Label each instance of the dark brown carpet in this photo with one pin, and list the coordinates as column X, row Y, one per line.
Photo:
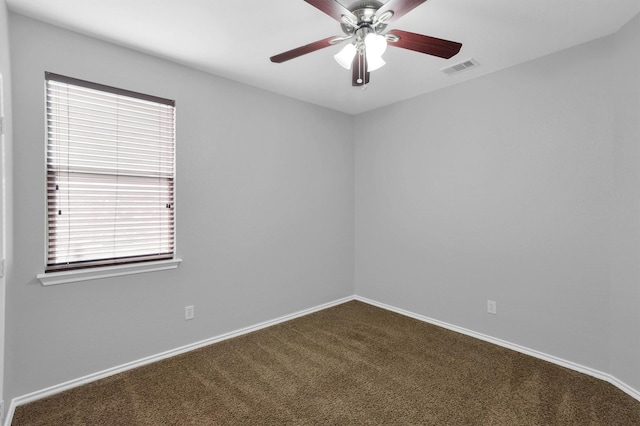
column 353, row 364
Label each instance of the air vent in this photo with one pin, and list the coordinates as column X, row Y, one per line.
column 460, row 66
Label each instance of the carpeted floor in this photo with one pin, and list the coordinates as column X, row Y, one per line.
column 353, row 364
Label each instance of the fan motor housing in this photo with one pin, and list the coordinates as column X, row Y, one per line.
column 364, row 10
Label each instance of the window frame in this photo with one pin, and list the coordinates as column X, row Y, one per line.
column 118, row 266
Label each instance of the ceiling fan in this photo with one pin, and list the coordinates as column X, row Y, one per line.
column 363, row 23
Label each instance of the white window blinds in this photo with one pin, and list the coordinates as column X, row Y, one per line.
column 110, row 175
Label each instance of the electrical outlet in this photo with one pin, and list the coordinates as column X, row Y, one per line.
column 491, row 306
column 189, row 312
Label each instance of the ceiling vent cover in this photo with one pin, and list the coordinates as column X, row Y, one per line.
column 460, row 66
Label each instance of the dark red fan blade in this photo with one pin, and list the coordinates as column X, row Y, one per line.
column 425, row 44
column 303, row 50
column 399, row 8
column 332, row 8
column 359, row 73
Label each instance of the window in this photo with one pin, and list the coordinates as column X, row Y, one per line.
column 110, row 175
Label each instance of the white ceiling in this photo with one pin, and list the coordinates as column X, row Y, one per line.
column 236, row 38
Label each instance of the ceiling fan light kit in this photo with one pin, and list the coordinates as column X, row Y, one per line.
column 345, row 56
column 363, row 24
column 373, row 46
column 376, row 44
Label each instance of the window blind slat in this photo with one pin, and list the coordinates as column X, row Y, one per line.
column 64, row 107
column 62, row 103
column 110, row 175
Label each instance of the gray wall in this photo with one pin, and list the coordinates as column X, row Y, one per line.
column 625, row 282
column 5, row 174
column 499, row 188
column 264, row 215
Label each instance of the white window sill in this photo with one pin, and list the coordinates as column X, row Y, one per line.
column 53, row 278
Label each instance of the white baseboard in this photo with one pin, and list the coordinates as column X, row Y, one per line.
column 527, row 351
column 43, row 393
column 25, row 399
